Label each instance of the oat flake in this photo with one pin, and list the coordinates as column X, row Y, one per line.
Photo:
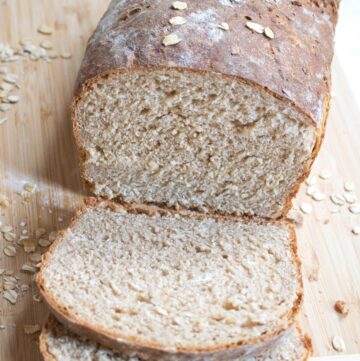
column 306, row 208
column 349, row 186
column 310, row 181
column 338, row 344
column 31, row 329
column 355, row 208
column 171, row 39
column 269, row 33
column 179, row 5
column 224, row 26
column 356, row 230
column 11, row 296
column 337, row 199
column 177, row 20
column 255, row 27
column 324, row 174
column 46, row 30
column 10, row 251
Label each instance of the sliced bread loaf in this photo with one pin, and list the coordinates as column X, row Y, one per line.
column 173, row 286
column 59, row 344
column 223, row 120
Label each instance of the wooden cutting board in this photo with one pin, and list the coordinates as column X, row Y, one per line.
column 36, row 146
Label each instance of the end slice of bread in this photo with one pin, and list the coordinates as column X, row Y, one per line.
column 57, row 343
column 173, row 285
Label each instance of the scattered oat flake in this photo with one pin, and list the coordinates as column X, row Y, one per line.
column 46, row 44
column 11, row 296
column 66, row 55
column 350, row 198
column 310, row 181
column 171, row 39
column 2, row 327
column 35, row 257
column 318, row 196
column 324, row 174
column 13, row 99
column 310, row 191
column 295, row 217
column 306, row 208
column 45, row 29
column 338, row 344
column 355, row 208
column 356, row 230
column 27, row 267
column 337, row 199
column 10, row 251
column 4, row 202
column 2, row 120
column 5, row 107
column 10, row 236
column 179, row 5
column 255, row 27
column 40, row 232
column 224, row 26
column 44, row 242
column 37, row 298
column 31, row 329
column 349, row 186
column 177, row 20
column 269, row 33
column 11, row 78
column 53, row 235
column 341, row 307
column 30, row 187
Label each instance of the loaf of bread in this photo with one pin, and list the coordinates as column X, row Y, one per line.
column 214, row 105
column 170, row 285
column 59, row 344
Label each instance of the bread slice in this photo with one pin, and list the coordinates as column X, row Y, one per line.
column 223, row 121
column 173, row 285
column 57, row 343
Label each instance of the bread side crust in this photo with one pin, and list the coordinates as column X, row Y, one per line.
column 48, row 356
column 127, row 344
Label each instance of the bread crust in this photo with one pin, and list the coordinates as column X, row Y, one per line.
column 150, row 350
column 48, row 356
column 279, row 75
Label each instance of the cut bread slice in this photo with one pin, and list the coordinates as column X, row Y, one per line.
column 57, row 343
column 172, row 284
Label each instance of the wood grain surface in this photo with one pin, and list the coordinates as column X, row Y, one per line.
column 36, row 146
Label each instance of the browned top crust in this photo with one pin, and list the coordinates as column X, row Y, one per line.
column 294, row 65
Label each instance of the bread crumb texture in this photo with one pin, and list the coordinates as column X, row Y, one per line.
column 174, row 281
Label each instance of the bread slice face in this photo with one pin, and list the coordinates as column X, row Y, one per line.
column 57, row 343
column 192, row 139
column 173, row 285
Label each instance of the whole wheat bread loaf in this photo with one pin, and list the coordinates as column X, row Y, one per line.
column 173, row 285
column 225, row 121
column 59, row 344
